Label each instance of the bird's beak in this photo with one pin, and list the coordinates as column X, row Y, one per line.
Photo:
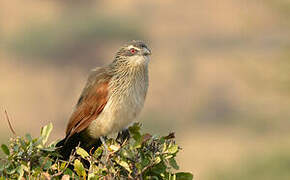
column 146, row 52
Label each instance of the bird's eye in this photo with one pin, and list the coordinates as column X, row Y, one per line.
column 133, row 51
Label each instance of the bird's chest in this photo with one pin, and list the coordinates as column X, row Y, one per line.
column 128, row 106
column 126, row 100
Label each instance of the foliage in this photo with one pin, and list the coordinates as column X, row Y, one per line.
column 261, row 166
column 143, row 156
column 65, row 37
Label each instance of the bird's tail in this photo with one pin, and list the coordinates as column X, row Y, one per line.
column 66, row 146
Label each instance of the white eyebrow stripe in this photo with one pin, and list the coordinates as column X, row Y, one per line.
column 131, row 46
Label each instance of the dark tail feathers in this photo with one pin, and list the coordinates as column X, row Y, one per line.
column 66, row 146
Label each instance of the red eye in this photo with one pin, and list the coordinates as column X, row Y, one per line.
column 133, row 51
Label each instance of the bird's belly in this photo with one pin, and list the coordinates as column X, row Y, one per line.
column 116, row 115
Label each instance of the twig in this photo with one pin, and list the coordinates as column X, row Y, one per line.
column 61, row 172
column 10, row 126
column 69, row 162
column 43, row 164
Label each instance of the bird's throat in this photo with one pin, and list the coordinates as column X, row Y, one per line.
column 128, row 88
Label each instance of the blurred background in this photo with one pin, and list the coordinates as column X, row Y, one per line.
column 219, row 74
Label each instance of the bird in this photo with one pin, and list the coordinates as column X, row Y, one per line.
column 111, row 100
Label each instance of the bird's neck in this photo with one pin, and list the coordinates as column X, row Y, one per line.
column 132, row 67
column 129, row 77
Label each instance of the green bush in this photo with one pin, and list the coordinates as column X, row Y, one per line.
column 143, row 156
column 257, row 166
column 68, row 36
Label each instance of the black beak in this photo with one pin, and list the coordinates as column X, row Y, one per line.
column 146, row 52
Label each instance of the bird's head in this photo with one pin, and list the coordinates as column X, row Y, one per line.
column 134, row 53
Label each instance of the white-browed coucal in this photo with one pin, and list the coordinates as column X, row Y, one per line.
column 111, row 99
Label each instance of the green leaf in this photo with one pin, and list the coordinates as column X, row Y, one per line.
column 184, row 176
column 135, row 128
column 98, row 152
column 30, row 149
column 83, row 153
column 173, row 163
column 62, row 166
column 135, row 132
column 92, row 176
column 45, row 162
column 28, row 137
column 157, row 160
column 172, row 149
column 138, row 141
column 45, row 132
column 92, row 173
column 159, row 168
column 151, row 156
column 126, row 153
column 15, row 147
column 139, row 167
column 114, row 148
column 25, row 168
column 10, row 169
column 49, row 149
column 37, row 141
column 20, row 171
column 2, row 166
column 167, row 156
column 145, row 162
column 79, row 168
column 164, row 148
column 69, row 172
column 5, row 149
column 125, row 165
column 23, row 143
column 171, row 176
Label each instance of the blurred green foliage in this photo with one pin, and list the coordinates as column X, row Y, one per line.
column 141, row 157
column 281, row 6
column 71, row 35
column 275, row 166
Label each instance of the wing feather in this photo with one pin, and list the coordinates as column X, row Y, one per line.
column 91, row 102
